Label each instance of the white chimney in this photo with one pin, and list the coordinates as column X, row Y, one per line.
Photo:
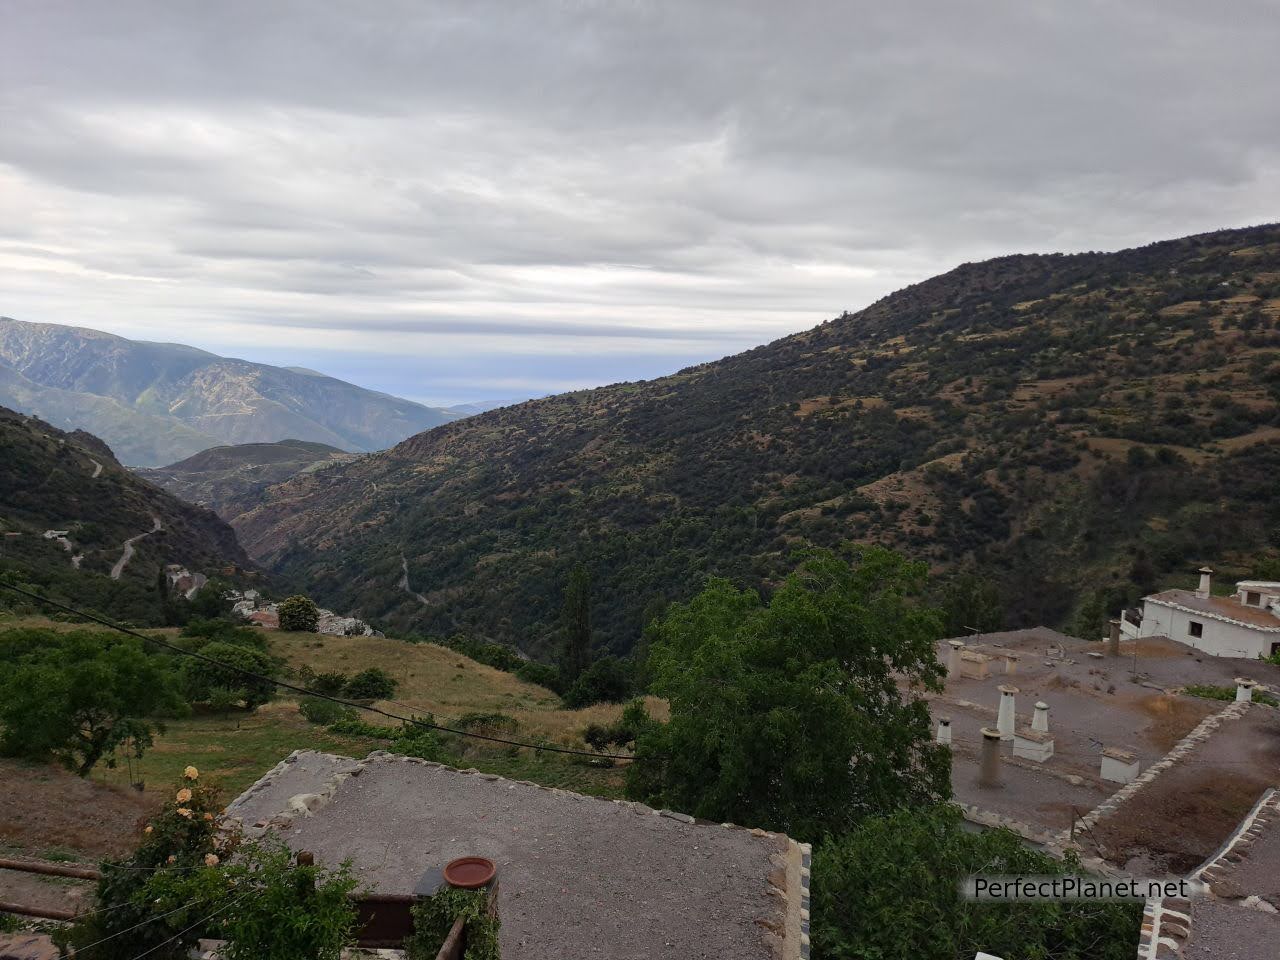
column 1244, row 690
column 953, row 657
column 1040, row 719
column 989, row 771
column 1206, row 583
column 1006, row 718
column 944, row 730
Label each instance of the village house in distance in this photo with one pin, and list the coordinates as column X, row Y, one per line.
column 1244, row 625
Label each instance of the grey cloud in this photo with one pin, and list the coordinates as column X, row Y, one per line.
column 564, row 171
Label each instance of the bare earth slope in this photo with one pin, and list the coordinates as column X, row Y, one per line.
column 1078, row 426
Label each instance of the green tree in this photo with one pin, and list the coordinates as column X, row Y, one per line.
column 202, row 682
column 80, row 696
column 891, row 889
column 607, row 680
column 575, row 624
column 971, row 602
column 299, row 613
column 787, row 715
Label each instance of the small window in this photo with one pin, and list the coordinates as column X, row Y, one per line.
column 1196, row 628
column 1253, row 598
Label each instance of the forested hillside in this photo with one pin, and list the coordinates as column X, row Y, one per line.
column 1075, row 428
column 70, row 484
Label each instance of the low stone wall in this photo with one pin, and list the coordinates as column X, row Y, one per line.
column 1181, row 750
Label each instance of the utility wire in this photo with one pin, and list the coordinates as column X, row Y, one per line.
column 121, row 933
column 198, row 923
column 285, row 685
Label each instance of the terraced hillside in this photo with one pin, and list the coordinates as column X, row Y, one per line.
column 1076, row 427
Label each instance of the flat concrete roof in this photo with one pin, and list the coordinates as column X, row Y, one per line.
column 579, row 877
column 1097, row 702
column 1226, row 607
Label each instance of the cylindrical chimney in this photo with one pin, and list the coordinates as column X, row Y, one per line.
column 953, row 657
column 1244, row 690
column 1206, row 583
column 944, row 730
column 989, row 772
column 1040, row 719
column 1006, row 718
column 1113, row 638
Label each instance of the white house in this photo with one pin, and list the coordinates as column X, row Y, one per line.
column 1245, row 624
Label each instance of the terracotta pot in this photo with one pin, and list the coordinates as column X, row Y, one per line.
column 469, row 873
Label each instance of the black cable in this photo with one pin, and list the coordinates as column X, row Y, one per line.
column 303, row 690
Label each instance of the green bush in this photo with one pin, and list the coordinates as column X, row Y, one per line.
column 434, row 917
column 282, row 911
column 543, row 674
column 299, row 613
column 201, row 678
column 607, row 680
column 371, row 684
column 324, row 712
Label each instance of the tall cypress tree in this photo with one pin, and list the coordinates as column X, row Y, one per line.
column 575, row 621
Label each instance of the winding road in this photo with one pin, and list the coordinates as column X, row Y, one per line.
column 97, row 468
column 128, row 549
column 404, row 581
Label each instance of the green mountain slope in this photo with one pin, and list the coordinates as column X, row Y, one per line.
column 159, row 402
column 53, row 481
column 230, row 479
column 1076, row 426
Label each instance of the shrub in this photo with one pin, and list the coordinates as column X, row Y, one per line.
column 490, row 724
column 543, row 674
column 299, row 613
column 222, row 630
column 1225, row 694
column 283, row 911
column 331, row 684
column 607, row 680
column 324, row 712
column 434, row 916
column 201, row 678
column 371, row 684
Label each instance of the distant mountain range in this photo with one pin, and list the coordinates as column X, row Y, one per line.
column 155, row 403
column 1075, row 428
column 76, row 523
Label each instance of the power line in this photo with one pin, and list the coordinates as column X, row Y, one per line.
column 121, row 933
column 285, row 685
column 200, row 922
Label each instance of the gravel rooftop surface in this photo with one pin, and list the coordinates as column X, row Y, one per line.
column 1221, row 931
column 578, row 877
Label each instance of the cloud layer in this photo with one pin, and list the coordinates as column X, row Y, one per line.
column 463, row 200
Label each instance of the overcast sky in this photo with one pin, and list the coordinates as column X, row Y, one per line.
column 474, row 200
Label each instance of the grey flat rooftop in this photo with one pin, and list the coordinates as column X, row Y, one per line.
column 579, row 877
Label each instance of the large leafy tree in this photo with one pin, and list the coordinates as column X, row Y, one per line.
column 788, row 715
column 891, row 889
column 80, row 696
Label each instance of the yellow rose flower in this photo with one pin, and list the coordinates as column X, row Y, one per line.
column 172, row 859
column 191, row 773
column 149, row 828
column 185, row 812
column 184, row 795
column 208, row 816
column 210, row 859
